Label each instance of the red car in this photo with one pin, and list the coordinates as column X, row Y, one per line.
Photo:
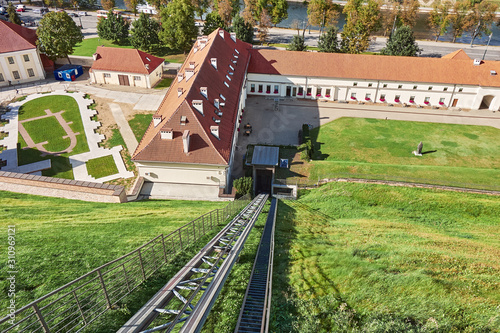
column 20, row 8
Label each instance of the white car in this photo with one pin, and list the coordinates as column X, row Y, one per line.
column 83, row 14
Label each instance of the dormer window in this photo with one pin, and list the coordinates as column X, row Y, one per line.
column 191, row 64
column 198, row 105
column 166, row 134
column 216, row 103
column 204, row 92
column 183, row 120
column 213, row 61
column 180, row 76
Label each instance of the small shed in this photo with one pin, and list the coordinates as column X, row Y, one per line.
column 264, row 161
column 68, row 72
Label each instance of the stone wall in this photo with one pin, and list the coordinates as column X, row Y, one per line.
column 61, row 188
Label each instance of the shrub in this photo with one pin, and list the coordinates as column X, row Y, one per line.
column 243, row 185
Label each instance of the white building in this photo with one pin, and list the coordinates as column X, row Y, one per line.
column 125, row 67
column 20, row 61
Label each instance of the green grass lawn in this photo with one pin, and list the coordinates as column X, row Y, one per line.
column 372, row 258
column 165, row 83
column 102, row 167
column 58, row 240
column 89, row 45
column 48, row 129
column 457, row 155
column 140, row 123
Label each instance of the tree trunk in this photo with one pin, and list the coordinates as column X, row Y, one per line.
column 69, row 60
column 437, row 37
column 454, row 38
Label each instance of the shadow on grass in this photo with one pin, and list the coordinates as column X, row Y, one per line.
column 429, row 152
column 60, row 166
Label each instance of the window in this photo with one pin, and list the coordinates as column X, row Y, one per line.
column 1, row 77
column 426, row 100
column 460, row 89
column 309, row 91
column 441, row 101
column 137, row 78
column 276, row 89
column 16, row 75
column 355, row 84
column 107, row 75
column 268, row 89
column 445, row 89
column 400, row 86
column 353, row 95
column 26, row 58
column 11, row 60
column 414, row 87
column 318, row 92
column 370, row 84
column 301, row 91
column 430, row 88
column 412, row 99
column 396, row 99
column 327, row 93
column 252, row 87
column 260, row 88
column 384, row 85
column 382, row 98
column 31, row 73
column 368, row 97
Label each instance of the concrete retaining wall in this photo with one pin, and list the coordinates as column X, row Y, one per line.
column 61, row 188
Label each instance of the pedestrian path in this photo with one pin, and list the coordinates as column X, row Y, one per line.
column 124, row 127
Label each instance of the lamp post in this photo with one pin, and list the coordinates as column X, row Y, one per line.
column 486, row 49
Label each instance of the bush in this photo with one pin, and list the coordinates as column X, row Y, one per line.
column 243, row 185
column 306, row 145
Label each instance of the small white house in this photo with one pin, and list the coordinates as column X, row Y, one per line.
column 125, row 67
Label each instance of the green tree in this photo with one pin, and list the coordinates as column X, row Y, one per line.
column 481, row 16
column 144, row 33
column 328, row 42
column 458, row 20
column 108, row 4
column 439, row 18
column 178, row 29
column 279, row 11
column 322, row 13
column 57, row 35
column 402, row 43
column 225, row 11
column 200, row 7
column 243, row 30
column 408, row 11
column 362, row 18
column 297, row 44
column 243, row 185
column 13, row 17
column 132, row 5
column 213, row 21
column 113, row 27
column 264, row 24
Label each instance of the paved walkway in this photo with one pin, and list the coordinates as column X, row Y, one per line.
column 78, row 162
column 124, row 127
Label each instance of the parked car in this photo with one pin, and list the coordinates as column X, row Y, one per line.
column 41, row 11
column 83, row 13
column 3, row 10
column 20, row 8
column 73, row 14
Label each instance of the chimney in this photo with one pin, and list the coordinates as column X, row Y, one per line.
column 95, row 56
column 198, row 105
column 213, row 61
column 233, row 36
column 215, row 131
column 221, row 33
column 204, row 92
column 216, row 103
column 185, row 141
column 180, row 76
column 156, row 120
column 189, row 73
column 477, row 62
column 179, row 92
column 167, row 134
column 191, row 64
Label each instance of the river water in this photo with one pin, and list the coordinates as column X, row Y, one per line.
column 298, row 11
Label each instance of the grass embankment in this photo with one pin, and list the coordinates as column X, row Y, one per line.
column 372, row 258
column 139, row 124
column 102, row 167
column 49, row 129
column 58, row 240
column 455, row 155
column 89, row 45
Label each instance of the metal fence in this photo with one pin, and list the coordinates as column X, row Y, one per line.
column 78, row 303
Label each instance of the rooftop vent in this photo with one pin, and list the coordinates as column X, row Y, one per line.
column 226, row 84
column 179, row 92
column 221, row 33
column 231, row 66
column 148, row 59
column 235, row 50
column 180, row 76
column 216, row 103
column 183, row 120
column 195, row 49
column 191, row 64
column 156, row 120
column 477, row 62
column 493, row 73
column 222, row 96
column 233, row 36
column 217, row 121
column 167, row 134
column 213, row 61
column 215, row 131
column 95, row 56
column 204, row 92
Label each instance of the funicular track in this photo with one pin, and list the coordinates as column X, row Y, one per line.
column 254, row 315
column 191, row 293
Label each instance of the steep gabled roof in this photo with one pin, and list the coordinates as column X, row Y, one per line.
column 14, row 37
column 454, row 69
column 199, row 72
column 458, row 55
column 125, row 60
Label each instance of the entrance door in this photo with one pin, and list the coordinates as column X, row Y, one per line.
column 294, row 91
column 288, row 90
column 123, row 80
column 263, row 181
column 455, row 101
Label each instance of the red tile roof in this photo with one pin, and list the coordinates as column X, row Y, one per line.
column 14, row 37
column 125, row 60
column 458, row 54
column 455, row 69
column 205, row 148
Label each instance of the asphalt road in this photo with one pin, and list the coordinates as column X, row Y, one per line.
column 279, row 35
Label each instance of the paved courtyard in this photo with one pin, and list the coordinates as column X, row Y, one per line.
column 282, row 127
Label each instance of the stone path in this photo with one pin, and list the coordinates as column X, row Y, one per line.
column 78, row 162
column 124, row 127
